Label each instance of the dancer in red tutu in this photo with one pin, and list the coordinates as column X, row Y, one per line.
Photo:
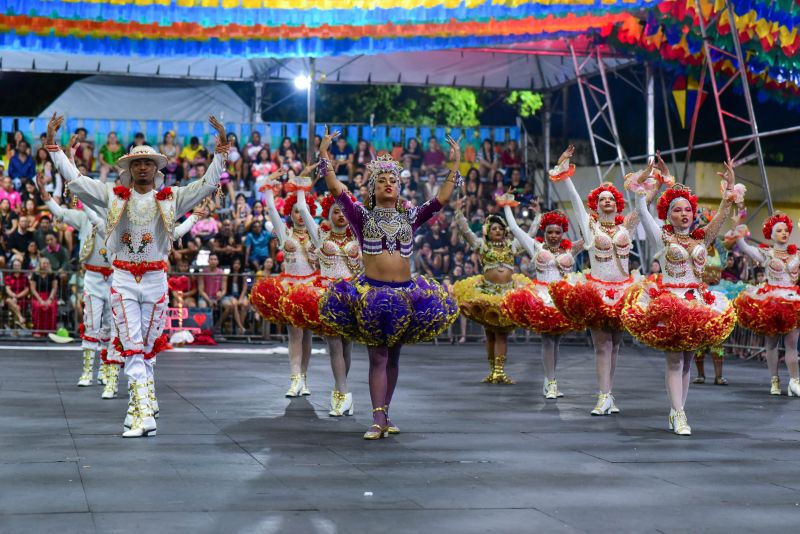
column 480, row 297
column 772, row 309
column 299, row 264
column 675, row 312
column 595, row 300
column 532, row 306
column 339, row 257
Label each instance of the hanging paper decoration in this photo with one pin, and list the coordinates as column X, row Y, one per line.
column 767, row 30
column 296, row 28
column 685, row 93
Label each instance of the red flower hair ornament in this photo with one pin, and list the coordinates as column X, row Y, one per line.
column 328, row 201
column 777, row 217
column 672, row 194
column 555, row 217
column 291, row 200
column 607, row 187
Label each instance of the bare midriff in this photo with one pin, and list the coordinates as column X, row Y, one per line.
column 387, row 267
column 499, row 275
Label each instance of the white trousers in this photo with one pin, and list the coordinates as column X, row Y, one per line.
column 97, row 319
column 139, row 310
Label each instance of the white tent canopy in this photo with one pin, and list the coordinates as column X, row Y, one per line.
column 539, row 66
column 126, row 98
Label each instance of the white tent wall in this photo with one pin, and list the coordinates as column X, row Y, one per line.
column 133, row 98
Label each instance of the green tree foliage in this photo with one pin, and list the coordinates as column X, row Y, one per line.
column 526, row 102
column 454, row 106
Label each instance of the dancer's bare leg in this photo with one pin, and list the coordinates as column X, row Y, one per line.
column 674, row 379
column 605, row 358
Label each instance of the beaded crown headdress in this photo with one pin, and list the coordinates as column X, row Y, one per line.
column 381, row 165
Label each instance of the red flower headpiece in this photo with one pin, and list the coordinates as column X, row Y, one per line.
column 556, row 217
column 607, row 187
column 777, row 217
column 327, row 203
column 291, row 200
column 675, row 192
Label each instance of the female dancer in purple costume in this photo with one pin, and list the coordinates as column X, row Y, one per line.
column 385, row 307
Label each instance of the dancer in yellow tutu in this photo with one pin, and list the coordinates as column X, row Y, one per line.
column 480, row 297
column 675, row 312
column 531, row 306
column 772, row 309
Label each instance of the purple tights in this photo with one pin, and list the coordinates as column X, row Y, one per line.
column 384, row 366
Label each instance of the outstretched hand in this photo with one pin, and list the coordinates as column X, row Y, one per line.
column 40, row 185
column 729, row 176
column 325, row 144
column 52, row 128
column 455, row 150
column 200, row 211
column 661, row 165
column 308, row 168
column 73, row 145
column 567, row 154
column 222, row 137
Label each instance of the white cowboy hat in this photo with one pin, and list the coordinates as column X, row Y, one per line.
column 141, row 152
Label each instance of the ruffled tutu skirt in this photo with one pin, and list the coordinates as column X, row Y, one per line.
column 769, row 310
column 590, row 302
column 481, row 300
column 300, row 306
column 268, row 295
column 676, row 318
column 532, row 307
column 379, row 313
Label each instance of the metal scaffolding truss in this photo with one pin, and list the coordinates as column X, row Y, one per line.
column 601, row 123
column 740, row 149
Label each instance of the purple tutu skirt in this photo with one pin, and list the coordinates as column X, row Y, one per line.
column 377, row 313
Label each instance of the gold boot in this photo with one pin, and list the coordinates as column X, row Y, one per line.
column 500, row 376
column 490, row 377
column 775, row 386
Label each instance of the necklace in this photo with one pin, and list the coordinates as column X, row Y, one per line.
column 340, row 238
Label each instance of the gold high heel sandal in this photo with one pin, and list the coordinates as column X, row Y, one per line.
column 381, row 432
column 393, row 429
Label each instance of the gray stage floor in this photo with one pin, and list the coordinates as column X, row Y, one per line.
column 233, row 455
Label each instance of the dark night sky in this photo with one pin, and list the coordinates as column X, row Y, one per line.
column 28, row 94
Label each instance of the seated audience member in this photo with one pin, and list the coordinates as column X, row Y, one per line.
column 44, row 306
column 211, row 284
column 256, row 246
column 182, row 287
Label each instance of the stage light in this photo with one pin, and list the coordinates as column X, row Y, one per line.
column 302, row 82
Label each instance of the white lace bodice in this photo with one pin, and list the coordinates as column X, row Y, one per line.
column 609, row 251
column 296, row 258
column 338, row 256
column 552, row 267
column 781, row 268
column 683, row 263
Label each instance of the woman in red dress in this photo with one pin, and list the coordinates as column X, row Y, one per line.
column 44, row 287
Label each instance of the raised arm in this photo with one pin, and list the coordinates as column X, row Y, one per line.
column 91, row 192
column 651, row 226
column 755, row 253
column 75, row 218
column 453, row 179
column 581, row 215
column 463, row 228
column 279, row 227
column 186, row 226
column 527, row 242
column 731, row 193
column 308, row 219
column 188, row 197
column 325, row 168
column 96, row 220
